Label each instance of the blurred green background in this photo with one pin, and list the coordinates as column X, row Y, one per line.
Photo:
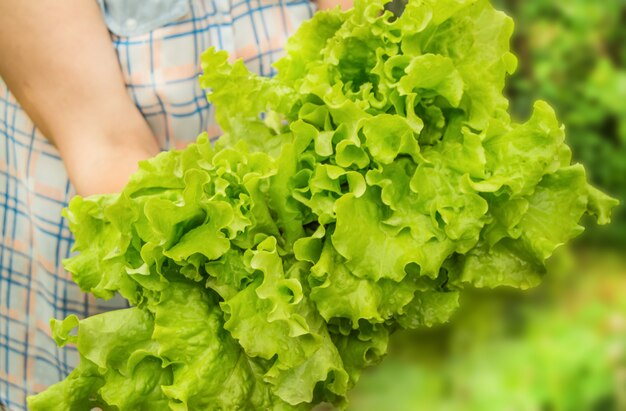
column 561, row 346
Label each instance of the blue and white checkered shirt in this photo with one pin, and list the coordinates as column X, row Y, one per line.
column 161, row 68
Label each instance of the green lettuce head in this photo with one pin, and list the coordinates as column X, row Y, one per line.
column 356, row 193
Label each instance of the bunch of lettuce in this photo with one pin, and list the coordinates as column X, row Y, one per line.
column 356, row 193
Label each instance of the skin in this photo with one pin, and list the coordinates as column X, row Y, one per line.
column 64, row 72
column 329, row 4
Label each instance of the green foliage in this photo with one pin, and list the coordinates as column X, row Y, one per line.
column 360, row 191
column 573, row 54
column 561, row 346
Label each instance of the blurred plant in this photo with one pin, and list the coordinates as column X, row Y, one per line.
column 561, row 347
column 573, row 54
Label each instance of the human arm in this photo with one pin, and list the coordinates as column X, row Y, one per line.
column 329, row 4
column 58, row 61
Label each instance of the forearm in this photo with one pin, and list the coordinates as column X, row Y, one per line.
column 57, row 59
column 329, row 4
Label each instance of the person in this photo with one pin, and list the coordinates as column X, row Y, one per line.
column 87, row 89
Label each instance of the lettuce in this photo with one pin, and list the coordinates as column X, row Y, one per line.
column 361, row 190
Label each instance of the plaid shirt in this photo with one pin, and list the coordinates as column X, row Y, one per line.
column 161, row 69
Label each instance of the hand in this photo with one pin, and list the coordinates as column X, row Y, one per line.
column 104, row 164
